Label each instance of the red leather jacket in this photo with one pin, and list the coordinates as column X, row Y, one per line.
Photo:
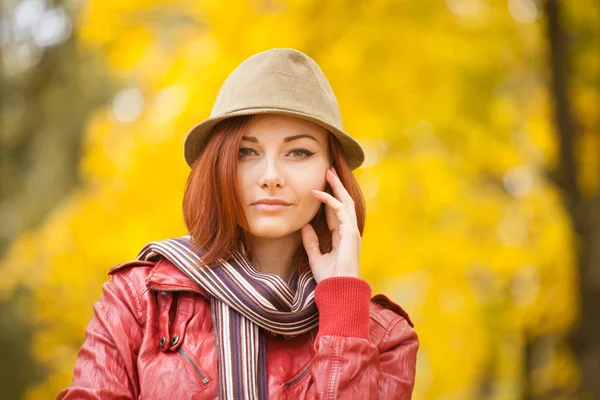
column 151, row 337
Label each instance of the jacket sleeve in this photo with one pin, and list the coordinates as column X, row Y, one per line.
column 346, row 363
column 106, row 364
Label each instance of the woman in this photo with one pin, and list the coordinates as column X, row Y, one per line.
column 263, row 298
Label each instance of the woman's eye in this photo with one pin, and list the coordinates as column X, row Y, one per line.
column 296, row 153
column 301, row 153
column 243, row 152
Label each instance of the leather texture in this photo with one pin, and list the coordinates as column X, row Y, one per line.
column 151, row 337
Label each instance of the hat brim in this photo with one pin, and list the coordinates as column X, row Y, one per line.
column 198, row 135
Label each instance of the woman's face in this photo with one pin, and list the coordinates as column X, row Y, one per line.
column 281, row 158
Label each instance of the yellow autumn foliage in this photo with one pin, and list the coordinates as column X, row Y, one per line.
column 463, row 228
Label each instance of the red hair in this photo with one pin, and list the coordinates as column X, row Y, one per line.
column 212, row 208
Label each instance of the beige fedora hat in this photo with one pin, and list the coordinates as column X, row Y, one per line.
column 276, row 81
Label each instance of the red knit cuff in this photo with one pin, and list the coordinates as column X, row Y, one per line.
column 343, row 303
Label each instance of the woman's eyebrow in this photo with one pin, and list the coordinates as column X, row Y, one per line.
column 285, row 140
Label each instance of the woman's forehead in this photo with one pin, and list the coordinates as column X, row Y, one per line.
column 279, row 127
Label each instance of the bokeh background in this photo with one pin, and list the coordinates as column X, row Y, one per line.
column 481, row 127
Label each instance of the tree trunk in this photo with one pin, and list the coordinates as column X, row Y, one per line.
column 585, row 337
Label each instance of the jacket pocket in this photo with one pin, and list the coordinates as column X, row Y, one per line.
column 291, row 382
column 201, row 375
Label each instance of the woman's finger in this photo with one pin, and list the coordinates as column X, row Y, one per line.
column 338, row 188
column 340, row 191
column 338, row 208
column 328, row 199
column 311, row 243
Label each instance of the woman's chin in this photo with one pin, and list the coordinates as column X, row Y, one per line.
column 272, row 230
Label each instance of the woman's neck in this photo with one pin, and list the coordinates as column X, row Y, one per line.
column 275, row 256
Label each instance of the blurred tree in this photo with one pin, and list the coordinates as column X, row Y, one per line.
column 577, row 69
column 48, row 87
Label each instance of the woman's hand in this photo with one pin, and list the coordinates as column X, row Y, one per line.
column 343, row 260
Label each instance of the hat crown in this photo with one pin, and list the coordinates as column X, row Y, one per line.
column 280, row 78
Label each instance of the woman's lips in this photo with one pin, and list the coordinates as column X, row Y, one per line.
column 270, row 207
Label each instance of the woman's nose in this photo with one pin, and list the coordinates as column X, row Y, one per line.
column 271, row 174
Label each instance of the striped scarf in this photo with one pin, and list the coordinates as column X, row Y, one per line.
column 243, row 301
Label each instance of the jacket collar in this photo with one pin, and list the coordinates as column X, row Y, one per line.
column 165, row 276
